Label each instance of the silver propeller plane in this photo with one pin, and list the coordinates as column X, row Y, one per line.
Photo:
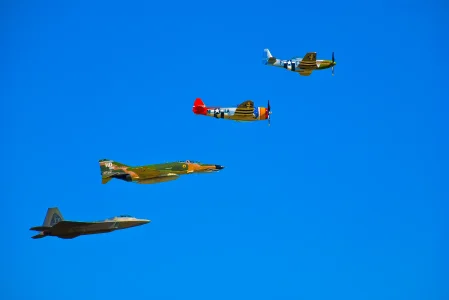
column 304, row 66
column 55, row 225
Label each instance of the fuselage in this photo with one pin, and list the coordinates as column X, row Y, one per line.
column 175, row 168
column 259, row 113
column 155, row 173
column 94, row 228
column 108, row 225
column 295, row 64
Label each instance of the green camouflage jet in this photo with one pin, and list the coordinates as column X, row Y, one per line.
column 152, row 173
column 55, row 225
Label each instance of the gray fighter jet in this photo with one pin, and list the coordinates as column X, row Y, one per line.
column 55, row 225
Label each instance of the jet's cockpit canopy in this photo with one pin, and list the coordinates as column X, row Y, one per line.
column 190, row 161
column 121, row 216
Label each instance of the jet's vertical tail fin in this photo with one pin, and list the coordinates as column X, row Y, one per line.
column 109, row 168
column 199, row 107
column 268, row 58
column 53, row 217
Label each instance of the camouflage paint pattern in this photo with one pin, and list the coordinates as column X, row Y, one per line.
column 155, row 173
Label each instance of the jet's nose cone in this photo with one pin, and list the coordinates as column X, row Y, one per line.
column 218, row 167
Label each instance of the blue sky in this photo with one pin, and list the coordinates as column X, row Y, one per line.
column 344, row 196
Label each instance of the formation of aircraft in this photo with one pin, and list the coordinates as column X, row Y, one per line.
column 244, row 112
column 155, row 173
column 304, row 66
column 55, row 225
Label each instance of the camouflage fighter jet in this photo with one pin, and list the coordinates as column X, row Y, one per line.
column 304, row 66
column 55, row 225
column 244, row 112
column 152, row 173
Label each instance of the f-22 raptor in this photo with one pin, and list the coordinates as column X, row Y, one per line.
column 55, row 225
column 149, row 174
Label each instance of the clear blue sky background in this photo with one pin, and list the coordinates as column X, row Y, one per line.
column 344, row 196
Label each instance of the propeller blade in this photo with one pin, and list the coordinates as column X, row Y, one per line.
column 333, row 63
column 269, row 113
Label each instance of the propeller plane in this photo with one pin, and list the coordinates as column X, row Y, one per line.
column 304, row 66
column 244, row 112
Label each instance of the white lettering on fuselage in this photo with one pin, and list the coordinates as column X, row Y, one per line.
column 228, row 111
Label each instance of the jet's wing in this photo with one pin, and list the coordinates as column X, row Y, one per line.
column 61, row 225
column 303, row 72
column 308, row 61
column 245, row 110
column 70, row 224
column 147, row 172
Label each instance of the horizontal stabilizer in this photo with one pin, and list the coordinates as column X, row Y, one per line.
column 38, row 236
column 40, row 228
